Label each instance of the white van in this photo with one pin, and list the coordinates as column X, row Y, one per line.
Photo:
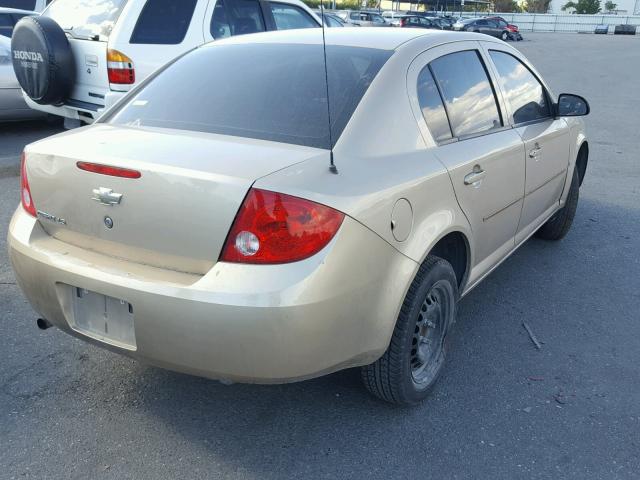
column 115, row 44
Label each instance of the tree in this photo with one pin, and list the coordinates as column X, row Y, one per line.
column 506, row 6
column 583, row 6
column 609, row 6
column 537, row 6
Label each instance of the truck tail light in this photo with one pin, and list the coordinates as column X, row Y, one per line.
column 274, row 228
column 120, row 68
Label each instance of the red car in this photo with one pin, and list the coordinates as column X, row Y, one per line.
column 503, row 23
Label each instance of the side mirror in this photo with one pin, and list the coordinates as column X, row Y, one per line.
column 570, row 105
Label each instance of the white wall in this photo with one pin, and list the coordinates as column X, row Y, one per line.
column 629, row 7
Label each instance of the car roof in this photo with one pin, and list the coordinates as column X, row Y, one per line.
column 366, row 37
column 16, row 10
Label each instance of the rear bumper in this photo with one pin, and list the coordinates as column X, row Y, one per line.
column 83, row 111
column 257, row 324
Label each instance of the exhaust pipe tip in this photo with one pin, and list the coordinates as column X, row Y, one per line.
column 43, row 324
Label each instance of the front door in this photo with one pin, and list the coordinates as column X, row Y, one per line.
column 546, row 138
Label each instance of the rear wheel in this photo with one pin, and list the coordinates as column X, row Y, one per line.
column 558, row 226
column 414, row 359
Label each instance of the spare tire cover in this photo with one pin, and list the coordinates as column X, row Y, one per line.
column 42, row 60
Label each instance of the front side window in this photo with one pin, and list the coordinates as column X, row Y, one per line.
column 289, row 17
column 522, row 90
column 467, row 92
column 236, row 17
column 163, row 22
column 355, row 15
column 86, row 18
column 377, row 19
column 275, row 92
column 432, row 108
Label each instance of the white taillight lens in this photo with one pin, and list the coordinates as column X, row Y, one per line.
column 247, row 244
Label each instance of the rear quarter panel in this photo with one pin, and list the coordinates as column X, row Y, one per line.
column 382, row 157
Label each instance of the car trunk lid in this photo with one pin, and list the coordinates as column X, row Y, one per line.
column 176, row 215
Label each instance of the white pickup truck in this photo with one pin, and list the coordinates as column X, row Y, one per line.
column 94, row 51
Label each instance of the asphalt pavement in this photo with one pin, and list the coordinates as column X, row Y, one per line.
column 502, row 409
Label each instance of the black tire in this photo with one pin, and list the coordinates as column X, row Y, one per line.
column 558, row 226
column 42, row 60
column 504, row 36
column 429, row 309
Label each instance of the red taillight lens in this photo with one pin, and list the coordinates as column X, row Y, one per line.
column 273, row 227
column 25, row 190
column 108, row 170
column 120, row 68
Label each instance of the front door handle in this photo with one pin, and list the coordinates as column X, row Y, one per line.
column 535, row 151
column 474, row 177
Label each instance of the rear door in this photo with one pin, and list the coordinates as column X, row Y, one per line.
column 484, row 156
column 546, row 138
column 155, row 32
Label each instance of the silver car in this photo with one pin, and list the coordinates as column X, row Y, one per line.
column 235, row 233
column 12, row 103
column 362, row 18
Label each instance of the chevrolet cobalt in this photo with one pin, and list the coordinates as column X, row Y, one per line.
column 254, row 214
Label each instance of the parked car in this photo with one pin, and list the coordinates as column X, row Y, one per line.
column 8, row 19
column 330, row 19
column 393, row 17
column 362, row 18
column 415, row 21
column 514, row 33
column 234, row 233
column 12, row 105
column 30, row 5
column 447, row 22
column 482, row 25
column 119, row 43
column 601, row 29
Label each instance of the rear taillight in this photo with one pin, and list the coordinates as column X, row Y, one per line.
column 25, row 190
column 120, row 68
column 402, row 22
column 108, row 170
column 273, row 228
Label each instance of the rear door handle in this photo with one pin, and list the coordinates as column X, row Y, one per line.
column 474, row 177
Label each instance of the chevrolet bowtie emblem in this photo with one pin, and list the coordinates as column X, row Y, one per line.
column 106, row 196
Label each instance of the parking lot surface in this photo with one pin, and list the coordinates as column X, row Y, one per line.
column 502, row 409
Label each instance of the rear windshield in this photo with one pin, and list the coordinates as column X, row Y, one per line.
column 272, row 92
column 84, row 19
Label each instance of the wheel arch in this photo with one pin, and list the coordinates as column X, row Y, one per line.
column 454, row 247
column 582, row 159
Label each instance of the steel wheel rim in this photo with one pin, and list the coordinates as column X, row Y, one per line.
column 432, row 323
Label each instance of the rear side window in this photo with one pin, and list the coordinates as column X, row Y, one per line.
column 288, row 17
column 86, row 19
column 6, row 25
column 432, row 108
column 265, row 91
column 163, row 22
column 467, row 92
column 19, row 4
column 236, row 17
column 522, row 90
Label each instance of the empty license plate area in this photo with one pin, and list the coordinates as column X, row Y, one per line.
column 104, row 318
